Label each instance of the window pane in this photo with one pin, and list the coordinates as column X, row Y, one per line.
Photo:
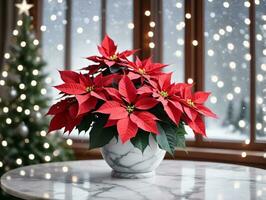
column 119, row 23
column 86, row 30
column 173, row 37
column 53, row 37
column 173, row 42
column 227, row 63
column 261, row 69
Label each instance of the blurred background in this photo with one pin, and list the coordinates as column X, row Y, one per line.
column 219, row 45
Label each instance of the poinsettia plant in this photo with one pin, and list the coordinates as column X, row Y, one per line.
column 116, row 97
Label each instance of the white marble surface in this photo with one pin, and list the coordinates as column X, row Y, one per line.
column 80, row 180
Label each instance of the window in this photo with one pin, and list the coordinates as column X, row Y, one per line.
column 220, row 45
column 227, row 68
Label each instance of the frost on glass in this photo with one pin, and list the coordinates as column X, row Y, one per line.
column 53, row 37
column 119, row 22
column 227, row 63
column 261, row 70
column 173, row 37
column 86, row 31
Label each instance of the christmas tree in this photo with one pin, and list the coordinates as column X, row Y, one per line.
column 242, row 119
column 23, row 104
column 229, row 119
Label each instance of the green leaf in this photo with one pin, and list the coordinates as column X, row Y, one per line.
column 181, row 140
column 141, row 140
column 100, row 136
column 171, row 137
column 162, row 140
column 85, row 124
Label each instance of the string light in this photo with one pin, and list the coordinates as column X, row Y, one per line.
column 36, row 107
column 35, row 42
column 130, row 25
column 19, row 22
column 195, row 43
column 213, row 100
column 33, row 83
column 95, row 18
column 27, row 112
column 2, row 82
column 21, row 86
column 8, row 121
column 23, row 97
column 47, row 158
column 19, row 161
column 210, row 52
column 147, row 13
column 43, row 133
column 247, row 141
column 69, row 142
column 4, row 143
column 6, row 55
column 190, row 81
column 151, row 45
column 1, row 164
column 242, row 123
column 19, row 109
column 23, row 44
column 150, row 34
column 43, row 91
column 79, row 30
column 31, row 156
column 4, row 74
column 244, row 154
column 60, row 47
column 19, row 67
column 5, row 109
column 226, row 4
column 152, row 24
column 46, row 145
column 43, row 28
column 188, row 16
column 15, row 32
column 53, row 17
column 179, row 5
column 35, row 72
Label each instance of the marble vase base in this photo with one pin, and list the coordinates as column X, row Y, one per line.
column 127, row 175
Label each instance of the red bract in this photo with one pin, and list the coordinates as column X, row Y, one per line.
column 164, row 92
column 128, row 110
column 193, row 107
column 145, row 68
column 65, row 115
column 109, row 53
column 86, row 90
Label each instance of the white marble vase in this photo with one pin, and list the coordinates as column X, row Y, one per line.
column 129, row 162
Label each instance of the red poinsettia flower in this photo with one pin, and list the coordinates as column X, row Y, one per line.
column 87, row 90
column 65, row 115
column 145, row 68
column 109, row 53
column 128, row 110
column 164, row 92
column 193, row 106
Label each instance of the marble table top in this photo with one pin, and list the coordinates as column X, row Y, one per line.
column 80, row 180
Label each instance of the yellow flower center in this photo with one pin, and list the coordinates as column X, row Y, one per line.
column 190, row 103
column 130, row 108
column 164, row 94
column 142, row 71
column 113, row 57
column 90, row 88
